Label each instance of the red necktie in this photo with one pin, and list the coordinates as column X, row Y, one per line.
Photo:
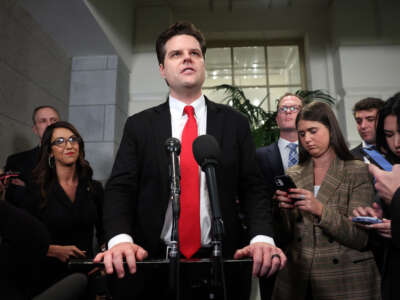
column 189, row 219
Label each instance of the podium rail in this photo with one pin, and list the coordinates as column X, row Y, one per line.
column 202, row 271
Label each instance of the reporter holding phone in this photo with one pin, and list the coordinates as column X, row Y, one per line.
column 325, row 260
column 387, row 184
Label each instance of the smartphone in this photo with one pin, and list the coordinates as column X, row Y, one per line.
column 366, row 220
column 8, row 175
column 377, row 159
column 284, row 183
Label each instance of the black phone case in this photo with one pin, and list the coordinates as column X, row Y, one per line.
column 284, row 183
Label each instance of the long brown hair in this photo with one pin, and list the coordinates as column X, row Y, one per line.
column 322, row 113
column 45, row 172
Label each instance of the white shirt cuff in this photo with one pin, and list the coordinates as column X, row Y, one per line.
column 120, row 238
column 262, row 239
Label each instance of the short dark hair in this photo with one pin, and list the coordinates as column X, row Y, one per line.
column 322, row 113
column 286, row 95
column 178, row 28
column 39, row 108
column 368, row 104
column 391, row 107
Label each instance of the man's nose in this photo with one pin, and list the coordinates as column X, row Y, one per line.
column 187, row 56
column 363, row 123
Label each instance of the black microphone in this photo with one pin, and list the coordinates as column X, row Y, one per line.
column 70, row 288
column 173, row 149
column 207, row 153
column 173, row 145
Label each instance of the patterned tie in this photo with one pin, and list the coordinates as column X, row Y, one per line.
column 293, row 156
column 189, row 220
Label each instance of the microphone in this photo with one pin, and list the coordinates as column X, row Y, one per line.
column 69, row 288
column 173, row 149
column 207, row 153
column 173, row 145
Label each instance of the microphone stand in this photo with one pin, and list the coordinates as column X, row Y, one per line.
column 217, row 269
column 173, row 247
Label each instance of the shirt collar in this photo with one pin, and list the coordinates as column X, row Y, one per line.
column 176, row 106
column 365, row 145
column 284, row 143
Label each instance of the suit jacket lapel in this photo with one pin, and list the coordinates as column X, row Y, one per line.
column 162, row 131
column 332, row 180
column 214, row 121
column 275, row 159
column 305, row 176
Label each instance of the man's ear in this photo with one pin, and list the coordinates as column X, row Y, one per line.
column 35, row 130
column 162, row 70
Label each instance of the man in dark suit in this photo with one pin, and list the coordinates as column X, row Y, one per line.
column 25, row 162
column 275, row 159
column 137, row 211
column 365, row 113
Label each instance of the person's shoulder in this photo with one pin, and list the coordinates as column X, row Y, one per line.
column 268, row 148
column 356, row 170
column 20, row 156
column 97, row 184
column 145, row 118
column 149, row 111
column 226, row 109
column 356, row 148
column 356, row 165
column 356, row 151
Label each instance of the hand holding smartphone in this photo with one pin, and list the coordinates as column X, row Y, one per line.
column 366, row 220
column 284, row 183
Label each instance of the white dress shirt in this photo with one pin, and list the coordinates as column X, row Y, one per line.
column 365, row 145
column 284, row 150
column 178, row 121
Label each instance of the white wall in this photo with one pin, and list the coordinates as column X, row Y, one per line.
column 116, row 20
column 366, row 60
column 98, row 108
column 33, row 71
column 367, row 71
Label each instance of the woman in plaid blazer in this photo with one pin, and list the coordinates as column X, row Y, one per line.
column 325, row 256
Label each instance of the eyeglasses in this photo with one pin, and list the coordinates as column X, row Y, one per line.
column 286, row 109
column 62, row 142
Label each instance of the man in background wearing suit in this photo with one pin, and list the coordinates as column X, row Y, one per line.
column 365, row 113
column 25, row 162
column 275, row 159
column 137, row 210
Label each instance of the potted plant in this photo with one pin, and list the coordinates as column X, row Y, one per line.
column 263, row 125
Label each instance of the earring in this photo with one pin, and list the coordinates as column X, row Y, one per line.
column 51, row 162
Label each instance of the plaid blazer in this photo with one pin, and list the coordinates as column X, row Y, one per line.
column 325, row 254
